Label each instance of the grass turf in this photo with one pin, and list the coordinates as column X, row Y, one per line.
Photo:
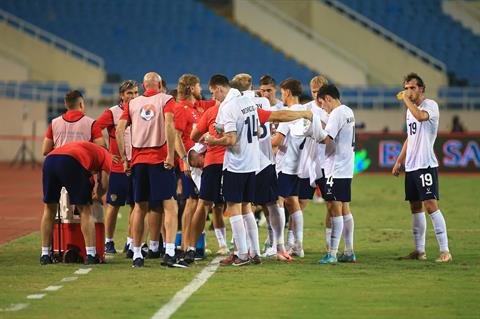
column 378, row 286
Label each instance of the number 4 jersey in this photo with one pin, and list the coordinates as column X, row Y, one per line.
column 339, row 155
column 240, row 115
column 421, row 137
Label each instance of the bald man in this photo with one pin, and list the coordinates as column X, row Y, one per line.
column 153, row 144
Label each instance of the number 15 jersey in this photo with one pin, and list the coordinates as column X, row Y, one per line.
column 421, row 137
column 240, row 115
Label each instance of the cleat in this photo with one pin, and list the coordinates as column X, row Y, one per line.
column 327, row 259
column 110, row 248
column 228, row 261
column 138, row 263
column 238, row 262
column 223, row 251
column 444, row 257
column 284, row 256
column 189, row 257
column 347, row 258
column 296, row 252
column 152, row 254
column 129, row 254
column 415, row 255
column 125, row 248
column 93, row 260
column 46, row 259
column 173, row 262
column 255, row 260
column 269, row 252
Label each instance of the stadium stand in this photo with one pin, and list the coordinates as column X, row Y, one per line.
column 134, row 36
column 434, row 32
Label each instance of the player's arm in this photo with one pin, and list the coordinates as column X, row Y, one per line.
column 287, row 116
column 181, row 151
column 200, row 129
column 120, row 137
column 418, row 114
column 171, row 134
column 47, row 146
column 228, row 139
column 196, row 135
column 278, row 139
column 400, row 159
column 105, row 120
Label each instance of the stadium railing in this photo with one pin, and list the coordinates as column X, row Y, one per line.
column 50, row 38
column 387, row 34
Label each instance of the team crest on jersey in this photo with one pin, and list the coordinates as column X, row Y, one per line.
column 148, row 112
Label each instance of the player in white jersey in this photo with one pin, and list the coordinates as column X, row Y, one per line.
column 339, row 137
column 268, row 90
column 290, row 142
column 421, row 167
column 239, row 119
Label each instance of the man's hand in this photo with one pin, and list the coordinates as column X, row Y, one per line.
column 406, row 96
column 169, row 162
column 186, row 169
column 209, row 140
column 396, row 169
column 127, row 168
column 116, row 159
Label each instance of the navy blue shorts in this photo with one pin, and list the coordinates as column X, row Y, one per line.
column 422, row 184
column 322, row 184
column 305, row 190
column 120, row 189
column 238, row 187
column 189, row 189
column 211, row 184
column 288, row 185
column 338, row 189
column 65, row 171
column 266, row 187
column 153, row 183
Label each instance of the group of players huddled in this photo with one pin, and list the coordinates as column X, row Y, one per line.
column 240, row 151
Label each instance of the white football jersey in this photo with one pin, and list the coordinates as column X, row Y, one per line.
column 288, row 154
column 339, row 155
column 421, row 137
column 312, row 158
column 278, row 106
column 239, row 115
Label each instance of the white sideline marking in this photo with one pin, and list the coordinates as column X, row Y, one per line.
column 83, row 271
column 15, row 307
column 68, row 279
column 36, row 296
column 53, row 288
column 180, row 297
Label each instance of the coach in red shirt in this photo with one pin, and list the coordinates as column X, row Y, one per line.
column 153, row 137
column 71, row 166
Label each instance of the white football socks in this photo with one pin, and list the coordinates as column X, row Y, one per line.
column 337, row 227
column 240, row 235
column 137, row 252
column 220, row 237
column 154, row 245
column 297, row 219
column 92, row 251
column 170, row 249
column 348, row 228
column 107, row 240
column 277, row 220
column 252, row 232
column 419, row 229
column 440, row 228
column 45, row 251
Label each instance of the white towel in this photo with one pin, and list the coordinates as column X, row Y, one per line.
column 195, row 171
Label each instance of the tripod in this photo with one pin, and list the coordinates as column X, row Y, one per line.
column 23, row 151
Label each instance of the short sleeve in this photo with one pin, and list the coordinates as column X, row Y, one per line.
column 432, row 109
column 229, row 117
column 180, row 119
column 334, row 124
column 169, row 107
column 96, row 131
column 263, row 115
column 283, row 128
column 49, row 133
column 205, row 104
column 104, row 120
column 202, row 125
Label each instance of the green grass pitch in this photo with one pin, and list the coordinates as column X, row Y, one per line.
column 378, row 286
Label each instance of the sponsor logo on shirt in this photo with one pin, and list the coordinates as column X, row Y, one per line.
column 148, row 112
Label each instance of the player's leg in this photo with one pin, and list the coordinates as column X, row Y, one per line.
column 118, row 188
column 251, row 226
column 155, row 224
column 220, row 229
column 348, row 231
column 335, row 210
column 87, row 223
column 196, row 228
column 293, row 205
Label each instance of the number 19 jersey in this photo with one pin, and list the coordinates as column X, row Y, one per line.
column 421, row 137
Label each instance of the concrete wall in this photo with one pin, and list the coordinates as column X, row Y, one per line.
column 386, row 63
column 17, row 120
column 296, row 44
column 47, row 63
column 12, row 70
column 465, row 12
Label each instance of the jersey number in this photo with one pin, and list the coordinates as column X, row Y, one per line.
column 251, row 123
column 263, row 131
column 330, row 181
column 427, row 179
column 413, row 128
